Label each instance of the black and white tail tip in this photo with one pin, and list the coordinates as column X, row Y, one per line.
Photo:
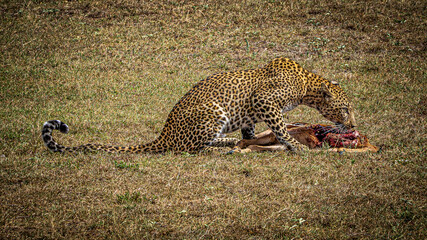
column 48, row 140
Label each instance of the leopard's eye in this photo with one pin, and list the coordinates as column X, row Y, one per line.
column 345, row 110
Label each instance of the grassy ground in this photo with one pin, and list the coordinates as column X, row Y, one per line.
column 112, row 70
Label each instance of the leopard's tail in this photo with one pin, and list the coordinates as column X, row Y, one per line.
column 48, row 140
column 49, row 126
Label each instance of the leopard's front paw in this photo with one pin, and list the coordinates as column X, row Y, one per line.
column 299, row 147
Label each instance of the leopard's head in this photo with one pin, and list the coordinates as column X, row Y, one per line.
column 335, row 105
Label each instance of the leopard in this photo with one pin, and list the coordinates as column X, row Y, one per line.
column 230, row 101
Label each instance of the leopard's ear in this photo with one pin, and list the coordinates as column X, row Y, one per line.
column 327, row 94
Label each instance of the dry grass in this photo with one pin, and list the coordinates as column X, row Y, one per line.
column 113, row 70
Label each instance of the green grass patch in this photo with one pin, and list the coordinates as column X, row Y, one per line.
column 113, row 71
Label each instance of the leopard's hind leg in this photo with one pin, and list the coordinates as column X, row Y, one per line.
column 203, row 128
